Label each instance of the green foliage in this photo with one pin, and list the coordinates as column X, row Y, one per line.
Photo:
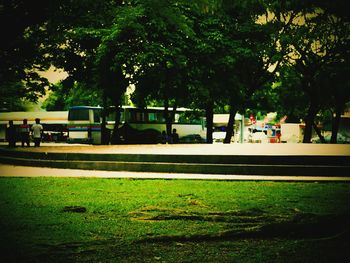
column 314, row 37
column 61, row 98
column 180, row 53
column 162, row 60
column 20, row 53
column 288, row 96
column 11, row 97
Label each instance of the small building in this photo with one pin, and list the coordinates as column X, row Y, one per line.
column 292, row 132
column 220, row 121
column 52, row 121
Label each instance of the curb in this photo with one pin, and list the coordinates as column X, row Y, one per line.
column 195, row 164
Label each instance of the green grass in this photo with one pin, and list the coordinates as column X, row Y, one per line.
column 121, row 220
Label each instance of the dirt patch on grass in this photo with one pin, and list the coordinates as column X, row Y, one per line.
column 157, row 214
column 250, row 223
column 74, row 209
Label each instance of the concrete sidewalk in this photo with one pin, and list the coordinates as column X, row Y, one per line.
column 234, row 159
column 24, row 171
column 281, row 149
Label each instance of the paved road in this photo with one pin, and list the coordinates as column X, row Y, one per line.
column 24, row 171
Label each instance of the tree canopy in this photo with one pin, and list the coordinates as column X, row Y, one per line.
column 290, row 56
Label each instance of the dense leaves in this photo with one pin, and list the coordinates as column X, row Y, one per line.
column 20, row 53
column 241, row 56
column 316, row 37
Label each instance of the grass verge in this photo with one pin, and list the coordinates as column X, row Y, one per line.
column 124, row 220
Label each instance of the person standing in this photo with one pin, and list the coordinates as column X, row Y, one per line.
column 11, row 134
column 175, row 136
column 24, row 130
column 278, row 135
column 37, row 130
column 163, row 138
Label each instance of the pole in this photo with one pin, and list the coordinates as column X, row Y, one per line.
column 242, row 129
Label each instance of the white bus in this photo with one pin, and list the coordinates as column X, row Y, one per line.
column 136, row 125
column 84, row 124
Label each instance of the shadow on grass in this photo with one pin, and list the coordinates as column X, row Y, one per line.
column 251, row 223
column 331, row 231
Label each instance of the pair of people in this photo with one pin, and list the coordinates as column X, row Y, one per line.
column 173, row 138
column 24, row 132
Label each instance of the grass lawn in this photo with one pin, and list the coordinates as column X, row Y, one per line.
column 123, row 220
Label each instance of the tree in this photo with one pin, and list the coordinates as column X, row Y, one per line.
column 255, row 53
column 143, row 39
column 212, row 63
column 162, row 61
column 287, row 96
column 101, row 45
column 316, row 36
column 62, row 34
column 73, row 37
column 336, row 75
column 21, row 53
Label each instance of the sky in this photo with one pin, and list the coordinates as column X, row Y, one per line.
column 54, row 75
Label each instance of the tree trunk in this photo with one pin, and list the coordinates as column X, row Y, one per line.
column 319, row 133
column 312, row 111
column 116, row 133
column 209, row 117
column 230, row 124
column 336, row 123
column 170, row 123
column 104, row 133
column 167, row 117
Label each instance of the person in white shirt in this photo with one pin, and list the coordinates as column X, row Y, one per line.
column 37, row 130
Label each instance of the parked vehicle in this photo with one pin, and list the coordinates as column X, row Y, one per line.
column 258, row 137
column 136, row 125
column 219, row 137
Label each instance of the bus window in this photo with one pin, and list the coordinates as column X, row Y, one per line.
column 149, row 116
column 139, row 116
column 78, row 115
column 97, row 116
column 152, row 117
column 111, row 116
column 183, row 118
column 176, row 118
column 136, row 116
column 122, row 116
column 189, row 118
column 160, row 117
column 127, row 116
